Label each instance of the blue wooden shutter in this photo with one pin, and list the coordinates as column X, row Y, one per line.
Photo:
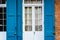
column 11, row 19
column 20, row 19
column 49, row 19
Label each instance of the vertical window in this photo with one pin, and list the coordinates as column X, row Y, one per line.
column 38, row 18
column 33, row 15
column 2, row 16
column 28, row 19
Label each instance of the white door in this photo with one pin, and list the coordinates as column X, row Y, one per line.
column 33, row 22
column 38, row 24
column 27, row 24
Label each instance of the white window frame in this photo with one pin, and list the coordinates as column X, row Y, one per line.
column 2, row 5
column 28, row 5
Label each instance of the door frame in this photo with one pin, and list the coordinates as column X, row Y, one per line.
column 30, row 5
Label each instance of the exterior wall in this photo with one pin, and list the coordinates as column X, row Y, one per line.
column 57, row 19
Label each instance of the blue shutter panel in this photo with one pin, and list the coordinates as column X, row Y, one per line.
column 20, row 20
column 11, row 19
column 49, row 19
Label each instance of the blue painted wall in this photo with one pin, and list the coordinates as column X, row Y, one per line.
column 14, row 20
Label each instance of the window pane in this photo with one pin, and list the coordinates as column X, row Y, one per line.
column 0, row 1
column 28, row 19
column 1, row 22
column 38, row 18
column 32, row 1
column 30, row 16
column 36, row 22
column 38, row 28
column 1, row 16
column 0, row 10
column 30, row 22
column 28, row 28
column 1, row 28
column 3, row 1
column 4, row 28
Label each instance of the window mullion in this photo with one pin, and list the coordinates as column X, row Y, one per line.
column 33, row 19
column 3, row 18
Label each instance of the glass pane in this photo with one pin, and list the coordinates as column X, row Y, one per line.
column 1, row 16
column 36, row 22
column 32, row 1
column 38, row 28
column 3, row 1
column 28, row 18
column 1, row 22
column 0, row 10
column 4, row 28
column 38, row 18
column 30, row 22
column 0, row 1
column 30, row 10
column 40, row 10
column 28, row 28
column 1, row 28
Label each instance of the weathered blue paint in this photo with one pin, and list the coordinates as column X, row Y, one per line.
column 20, row 20
column 11, row 19
column 49, row 20
column 14, row 19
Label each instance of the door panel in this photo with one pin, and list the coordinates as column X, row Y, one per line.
column 32, row 26
column 39, row 29
column 27, row 32
column 28, row 36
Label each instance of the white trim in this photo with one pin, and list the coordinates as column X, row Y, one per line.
column 33, row 18
column 2, row 5
column 23, row 17
column 28, row 5
column 33, row 4
column 43, row 16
